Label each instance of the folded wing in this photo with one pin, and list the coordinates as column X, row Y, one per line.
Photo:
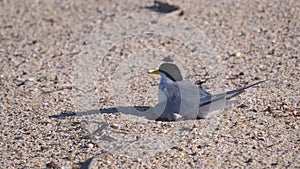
column 211, row 104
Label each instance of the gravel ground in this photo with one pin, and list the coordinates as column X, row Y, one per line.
column 63, row 61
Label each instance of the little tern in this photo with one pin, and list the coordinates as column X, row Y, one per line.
column 178, row 99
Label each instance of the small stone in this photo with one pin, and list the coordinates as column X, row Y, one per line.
column 193, row 141
column 250, row 160
column 31, row 79
column 164, row 131
column 70, row 157
column 90, row 145
column 44, row 148
column 238, row 54
column 19, row 138
column 115, row 126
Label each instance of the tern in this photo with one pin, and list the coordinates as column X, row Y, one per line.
column 178, row 99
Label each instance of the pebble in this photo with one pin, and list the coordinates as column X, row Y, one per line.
column 31, row 79
column 115, row 126
column 70, row 157
column 164, row 131
column 238, row 54
column 90, row 145
column 46, row 104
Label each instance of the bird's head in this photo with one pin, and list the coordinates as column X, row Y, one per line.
column 170, row 70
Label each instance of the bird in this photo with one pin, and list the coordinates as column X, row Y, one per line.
column 179, row 99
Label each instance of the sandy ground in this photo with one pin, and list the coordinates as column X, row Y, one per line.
column 63, row 61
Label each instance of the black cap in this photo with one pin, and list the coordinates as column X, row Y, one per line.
column 172, row 71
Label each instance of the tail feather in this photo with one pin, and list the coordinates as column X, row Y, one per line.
column 235, row 92
column 226, row 95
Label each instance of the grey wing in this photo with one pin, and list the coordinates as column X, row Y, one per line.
column 210, row 104
column 190, row 99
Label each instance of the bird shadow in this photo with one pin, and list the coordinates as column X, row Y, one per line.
column 141, row 111
column 102, row 127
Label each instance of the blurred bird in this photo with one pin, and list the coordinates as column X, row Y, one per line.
column 178, row 99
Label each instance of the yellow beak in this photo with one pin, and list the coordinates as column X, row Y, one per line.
column 153, row 72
